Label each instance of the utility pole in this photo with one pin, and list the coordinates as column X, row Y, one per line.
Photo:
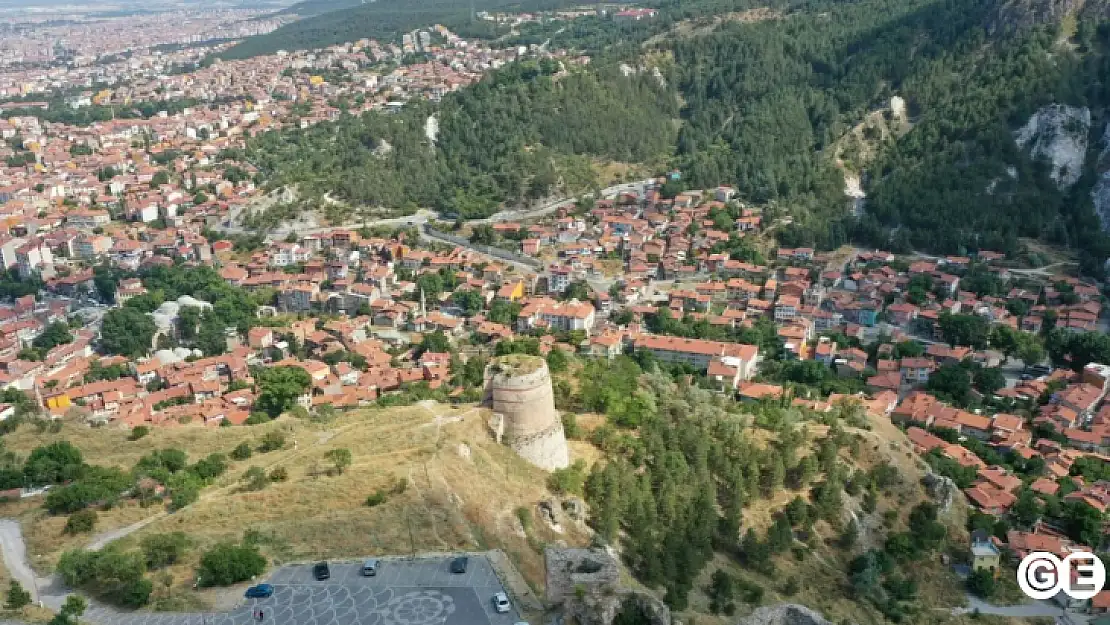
column 412, row 539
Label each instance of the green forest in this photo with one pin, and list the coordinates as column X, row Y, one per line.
column 509, row 138
column 765, row 101
column 686, row 478
column 762, row 105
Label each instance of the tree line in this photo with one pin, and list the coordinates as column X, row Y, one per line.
column 505, row 139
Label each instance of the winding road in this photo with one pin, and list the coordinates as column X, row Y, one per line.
column 14, row 550
column 1029, row 610
column 423, row 215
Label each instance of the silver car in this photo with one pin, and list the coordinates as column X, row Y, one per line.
column 501, row 603
column 370, row 567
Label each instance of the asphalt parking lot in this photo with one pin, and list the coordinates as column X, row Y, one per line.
column 404, row 592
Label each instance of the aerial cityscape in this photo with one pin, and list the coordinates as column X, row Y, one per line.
column 431, row 312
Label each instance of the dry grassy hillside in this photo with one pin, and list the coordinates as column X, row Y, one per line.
column 462, row 491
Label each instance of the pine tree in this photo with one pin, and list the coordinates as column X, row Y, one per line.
column 17, row 596
column 850, row 535
column 774, row 474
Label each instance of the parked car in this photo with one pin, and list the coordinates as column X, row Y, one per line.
column 260, row 591
column 458, row 565
column 320, row 571
column 370, row 567
column 501, row 603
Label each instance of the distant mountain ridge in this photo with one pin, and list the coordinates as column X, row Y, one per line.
column 382, row 19
column 309, row 8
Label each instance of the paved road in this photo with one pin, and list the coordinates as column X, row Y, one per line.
column 14, row 551
column 101, row 540
column 1036, row 609
column 422, row 216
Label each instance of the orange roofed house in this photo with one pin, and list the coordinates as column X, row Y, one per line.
column 700, row 354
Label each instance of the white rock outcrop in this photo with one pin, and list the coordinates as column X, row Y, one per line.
column 1058, row 134
column 898, row 108
column 853, row 188
column 431, row 129
column 1100, row 194
column 784, row 614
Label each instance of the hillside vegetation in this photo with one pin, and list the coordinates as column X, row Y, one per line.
column 807, row 79
column 520, row 134
column 717, row 507
column 424, row 477
column 765, row 105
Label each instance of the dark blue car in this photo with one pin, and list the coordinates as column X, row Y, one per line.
column 260, row 591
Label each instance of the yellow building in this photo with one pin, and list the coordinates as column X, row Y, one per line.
column 58, row 402
column 511, row 291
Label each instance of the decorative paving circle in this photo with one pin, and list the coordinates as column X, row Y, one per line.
column 421, row 607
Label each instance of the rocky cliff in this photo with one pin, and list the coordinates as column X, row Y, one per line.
column 1015, row 15
column 1058, row 134
column 785, row 614
column 1100, row 194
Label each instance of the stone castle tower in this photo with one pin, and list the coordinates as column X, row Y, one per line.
column 519, row 388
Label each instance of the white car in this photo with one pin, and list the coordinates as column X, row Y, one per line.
column 501, row 603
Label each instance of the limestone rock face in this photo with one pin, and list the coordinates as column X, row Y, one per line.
column 1100, row 194
column 942, row 490
column 1015, row 15
column 784, row 614
column 1058, row 134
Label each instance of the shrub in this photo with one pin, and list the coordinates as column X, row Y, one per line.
column 569, row 480
column 184, row 489
column 340, row 458
column 571, row 427
column 162, row 550
column 211, row 467
column 279, row 474
column 255, row 479
column 257, row 418
column 111, row 575
column 138, row 432
column 17, row 596
column 981, row 583
column 97, row 485
column 81, row 522
column 272, row 441
column 376, row 499
column 227, row 563
column 242, row 451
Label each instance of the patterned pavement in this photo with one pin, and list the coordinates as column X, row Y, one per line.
column 405, row 592
column 327, row 605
